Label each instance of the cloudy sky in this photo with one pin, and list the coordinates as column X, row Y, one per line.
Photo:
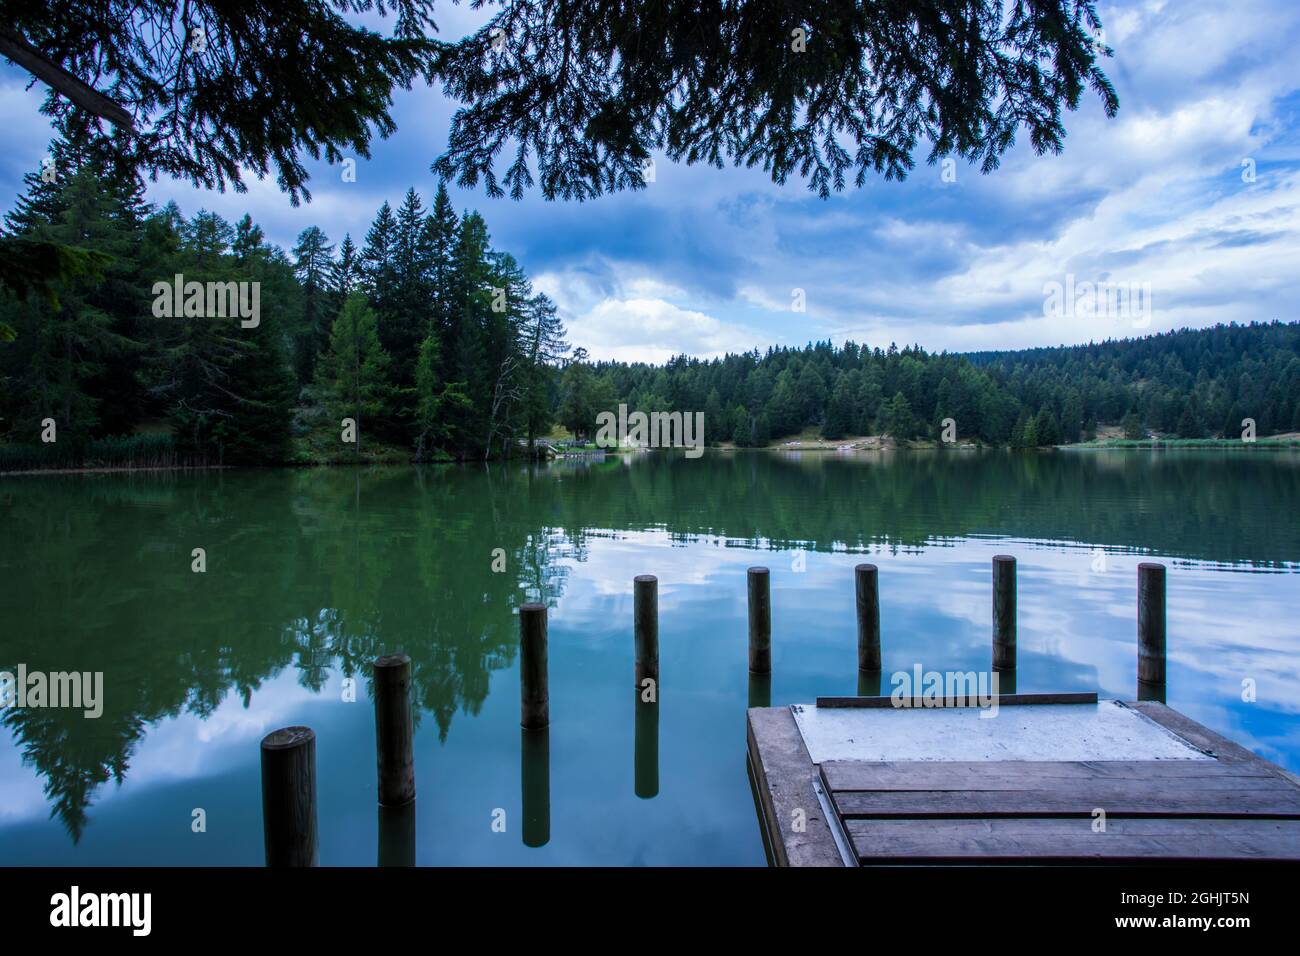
column 1192, row 190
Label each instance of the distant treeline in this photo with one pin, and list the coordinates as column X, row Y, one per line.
column 1189, row 384
column 435, row 345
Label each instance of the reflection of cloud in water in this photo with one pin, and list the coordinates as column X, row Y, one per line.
column 1077, row 629
column 401, row 558
column 184, row 747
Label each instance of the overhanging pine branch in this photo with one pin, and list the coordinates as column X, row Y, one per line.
column 59, row 79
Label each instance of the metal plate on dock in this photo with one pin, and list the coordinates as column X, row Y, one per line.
column 1106, row 730
column 1043, row 782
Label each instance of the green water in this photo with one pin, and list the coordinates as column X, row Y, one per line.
column 311, row 574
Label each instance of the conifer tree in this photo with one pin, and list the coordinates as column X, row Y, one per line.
column 444, row 228
column 899, row 421
column 377, row 269
column 74, row 359
column 262, row 379
column 345, row 273
column 313, row 257
column 1132, row 426
column 1046, row 430
column 353, row 373
column 464, row 346
column 226, row 387
column 440, row 406
column 544, row 345
column 249, row 240
column 839, row 414
column 742, row 427
column 506, row 360
column 583, row 395
column 404, row 320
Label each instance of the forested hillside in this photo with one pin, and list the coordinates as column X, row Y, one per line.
column 1188, row 384
column 422, row 341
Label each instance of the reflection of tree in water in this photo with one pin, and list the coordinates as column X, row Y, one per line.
column 319, row 571
column 1203, row 505
column 323, row 570
column 73, row 760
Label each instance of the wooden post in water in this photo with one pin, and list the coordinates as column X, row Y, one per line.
column 867, row 587
column 868, row 683
column 1004, row 612
column 289, row 796
column 760, row 689
column 1151, row 631
column 645, row 618
column 645, row 755
column 535, row 784
column 397, row 835
column 394, row 730
column 760, row 621
column 534, row 695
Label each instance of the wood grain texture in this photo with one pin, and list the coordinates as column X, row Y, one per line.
column 760, row 620
column 394, row 730
column 289, row 797
column 534, row 686
column 1117, row 801
column 1036, row 775
column 1234, row 806
column 1004, row 612
column 645, row 628
column 783, row 775
column 920, row 703
column 1039, row 840
column 866, row 579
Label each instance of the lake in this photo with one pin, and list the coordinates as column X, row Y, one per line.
column 311, row 574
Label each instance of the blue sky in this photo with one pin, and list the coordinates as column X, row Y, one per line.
column 705, row 261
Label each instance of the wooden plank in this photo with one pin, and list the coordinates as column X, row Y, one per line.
column 920, row 703
column 1224, row 750
column 783, row 774
column 1235, row 806
column 1121, row 801
column 1040, row 841
column 1041, row 775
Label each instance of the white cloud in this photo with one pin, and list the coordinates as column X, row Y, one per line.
column 634, row 318
column 704, row 260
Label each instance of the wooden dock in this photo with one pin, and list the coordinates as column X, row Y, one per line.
column 1050, row 779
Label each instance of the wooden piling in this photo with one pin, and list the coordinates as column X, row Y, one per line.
column 1154, row 692
column 394, row 730
column 535, row 785
column 868, row 683
column 1151, row 626
column 866, row 581
column 760, row 621
column 645, row 779
column 646, row 744
column 534, row 696
column 645, row 618
column 760, row 689
column 1006, row 682
column 1004, row 612
column 289, row 797
column 397, row 835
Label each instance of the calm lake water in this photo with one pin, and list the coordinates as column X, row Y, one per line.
column 313, row 573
